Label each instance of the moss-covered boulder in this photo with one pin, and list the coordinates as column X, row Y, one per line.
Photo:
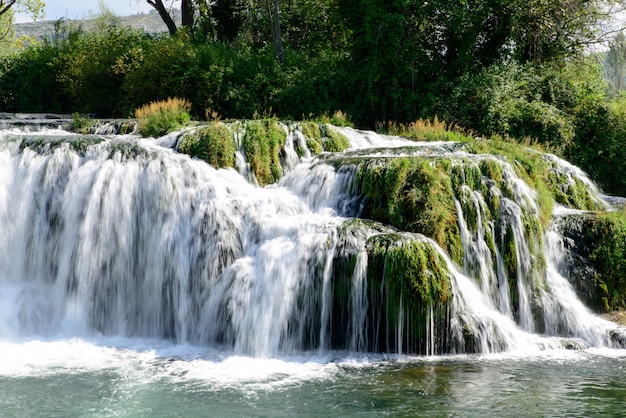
column 263, row 143
column 409, row 291
column 332, row 139
column 412, row 194
column 214, row 143
column 596, row 249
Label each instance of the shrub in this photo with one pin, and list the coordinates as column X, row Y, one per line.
column 92, row 66
column 28, row 81
column 158, row 118
column 517, row 101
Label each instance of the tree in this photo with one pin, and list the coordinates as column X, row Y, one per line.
column 8, row 7
column 615, row 64
column 273, row 12
column 190, row 10
column 165, row 15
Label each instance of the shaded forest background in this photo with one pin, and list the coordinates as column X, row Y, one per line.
column 518, row 69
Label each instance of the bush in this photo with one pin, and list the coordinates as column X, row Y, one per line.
column 92, row 66
column 28, row 81
column 178, row 67
column 158, row 118
column 517, row 101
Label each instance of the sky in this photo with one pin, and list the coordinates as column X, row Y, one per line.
column 77, row 9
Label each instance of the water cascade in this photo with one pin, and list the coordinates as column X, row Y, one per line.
column 114, row 235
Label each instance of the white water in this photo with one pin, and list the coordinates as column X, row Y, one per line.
column 145, row 243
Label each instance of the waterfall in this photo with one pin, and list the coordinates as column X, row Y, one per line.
column 117, row 235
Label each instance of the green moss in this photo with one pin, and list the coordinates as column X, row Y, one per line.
column 491, row 168
column 263, row 142
column 214, row 144
column 415, row 195
column 311, row 130
column 314, row 146
column 333, row 140
column 570, row 191
column 528, row 164
column 82, row 124
column 407, row 281
column 126, row 127
column 605, row 235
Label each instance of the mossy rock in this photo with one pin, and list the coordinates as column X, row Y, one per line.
column 214, row 143
column 605, row 236
column 413, row 194
column 409, row 289
column 332, row 139
column 311, row 130
column 410, row 266
column 263, row 143
column 571, row 192
column 45, row 145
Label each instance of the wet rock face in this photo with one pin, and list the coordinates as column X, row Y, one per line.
column 576, row 266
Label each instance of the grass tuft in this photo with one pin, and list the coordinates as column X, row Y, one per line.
column 161, row 117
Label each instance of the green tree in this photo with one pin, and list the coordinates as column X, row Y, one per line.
column 615, row 64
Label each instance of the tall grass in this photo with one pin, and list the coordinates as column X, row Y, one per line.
column 160, row 117
column 426, row 130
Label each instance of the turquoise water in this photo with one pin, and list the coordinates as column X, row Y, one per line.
column 138, row 378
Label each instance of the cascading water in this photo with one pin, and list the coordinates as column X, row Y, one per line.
column 120, row 236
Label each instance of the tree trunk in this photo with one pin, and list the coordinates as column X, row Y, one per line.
column 186, row 9
column 278, row 43
column 273, row 13
column 165, row 16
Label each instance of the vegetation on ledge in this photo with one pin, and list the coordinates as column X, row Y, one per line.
column 605, row 237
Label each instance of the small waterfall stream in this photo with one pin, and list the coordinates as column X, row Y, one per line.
column 120, row 236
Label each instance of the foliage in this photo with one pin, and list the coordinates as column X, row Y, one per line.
column 615, row 64
column 171, row 67
column 214, row 144
column 34, row 8
column 158, row 118
column 517, row 101
column 91, row 80
column 28, row 81
column 488, row 67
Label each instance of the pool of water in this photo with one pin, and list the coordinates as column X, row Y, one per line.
column 77, row 377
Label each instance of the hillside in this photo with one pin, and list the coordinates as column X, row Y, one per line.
column 150, row 22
